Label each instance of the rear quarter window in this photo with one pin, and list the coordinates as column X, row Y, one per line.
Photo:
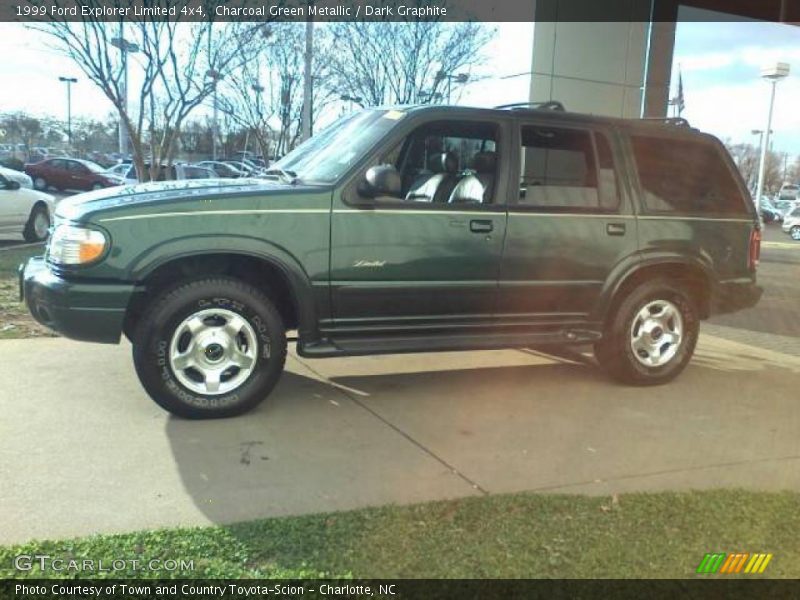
column 686, row 177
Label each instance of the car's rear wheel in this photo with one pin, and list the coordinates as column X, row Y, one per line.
column 97, row 186
column 651, row 336
column 210, row 348
column 38, row 225
column 40, row 183
column 795, row 233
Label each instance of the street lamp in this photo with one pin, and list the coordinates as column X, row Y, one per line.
column 125, row 47
column 461, row 78
column 214, row 75
column 773, row 74
column 69, row 81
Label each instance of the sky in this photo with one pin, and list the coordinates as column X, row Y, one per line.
column 719, row 62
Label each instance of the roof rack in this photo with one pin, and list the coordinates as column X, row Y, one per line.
column 550, row 105
column 677, row 121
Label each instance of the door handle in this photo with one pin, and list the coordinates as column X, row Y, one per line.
column 480, row 226
column 615, row 228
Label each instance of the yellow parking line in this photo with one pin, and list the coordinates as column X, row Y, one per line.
column 790, row 245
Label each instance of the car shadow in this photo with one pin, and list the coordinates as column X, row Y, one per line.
column 315, row 447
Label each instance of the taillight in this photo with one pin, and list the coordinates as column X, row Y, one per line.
column 754, row 252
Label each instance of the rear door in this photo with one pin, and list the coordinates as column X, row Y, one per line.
column 570, row 223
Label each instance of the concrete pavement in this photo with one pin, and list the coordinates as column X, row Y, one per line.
column 84, row 450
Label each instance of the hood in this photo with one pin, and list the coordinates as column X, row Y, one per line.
column 165, row 191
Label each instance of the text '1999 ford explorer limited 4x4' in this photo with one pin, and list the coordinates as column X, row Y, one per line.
column 406, row 230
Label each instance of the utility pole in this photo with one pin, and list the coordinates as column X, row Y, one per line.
column 308, row 85
column 69, row 81
column 125, row 47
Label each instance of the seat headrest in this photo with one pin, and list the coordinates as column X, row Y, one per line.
column 446, row 162
column 484, row 162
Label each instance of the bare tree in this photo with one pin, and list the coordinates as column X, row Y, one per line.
column 405, row 62
column 178, row 66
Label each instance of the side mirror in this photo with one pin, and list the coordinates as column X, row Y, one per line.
column 380, row 180
column 13, row 185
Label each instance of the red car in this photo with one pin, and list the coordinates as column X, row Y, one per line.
column 70, row 174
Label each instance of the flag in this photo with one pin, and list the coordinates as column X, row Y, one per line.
column 679, row 100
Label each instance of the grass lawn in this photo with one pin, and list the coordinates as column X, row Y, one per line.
column 15, row 320
column 663, row 535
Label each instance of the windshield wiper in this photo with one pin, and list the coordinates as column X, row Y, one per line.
column 284, row 175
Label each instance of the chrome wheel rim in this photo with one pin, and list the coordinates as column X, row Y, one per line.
column 657, row 333
column 213, row 351
column 795, row 233
column 40, row 183
column 41, row 223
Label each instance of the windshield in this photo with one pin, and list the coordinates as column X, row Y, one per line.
column 326, row 156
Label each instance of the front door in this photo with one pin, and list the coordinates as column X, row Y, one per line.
column 571, row 223
column 425, row 257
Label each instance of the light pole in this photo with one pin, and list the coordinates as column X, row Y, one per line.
column 69, row 81
column 352, row 100
column 125, row 47
column 461, row 78
column 773, row 74
column 215, row 76
column 308, row 86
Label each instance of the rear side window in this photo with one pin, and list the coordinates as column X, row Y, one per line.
column 685, row 177
column 566, row 170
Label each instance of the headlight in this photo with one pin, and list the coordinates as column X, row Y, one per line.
column 71, row 245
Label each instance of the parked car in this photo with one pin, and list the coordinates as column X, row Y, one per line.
column 70, row 174
column 791, row 224
column 768, row 211
column 222, row 169
column 789, row 191
column 247, row 168
column 175, row 172
column 22, row 209
column 784, row 206
column 411, row 230
column 18, row 176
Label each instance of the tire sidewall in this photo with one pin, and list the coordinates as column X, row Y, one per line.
column 629, row 309
column 29, row 233
column 154, row 336
column 40, row 183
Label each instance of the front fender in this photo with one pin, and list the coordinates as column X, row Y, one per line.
column 300, row 281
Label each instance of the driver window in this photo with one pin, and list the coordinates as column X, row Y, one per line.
column 447, row 162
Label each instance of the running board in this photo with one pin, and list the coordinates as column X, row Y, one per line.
column 364, row 346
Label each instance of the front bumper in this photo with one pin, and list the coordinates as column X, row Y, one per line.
column 81, row 310
column 734, row 296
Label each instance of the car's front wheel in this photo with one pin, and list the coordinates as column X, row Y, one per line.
column 210, row 348
column 97, row 186
column 38, row 225
column 651, row 336
column 795, row 233
column 40, row 183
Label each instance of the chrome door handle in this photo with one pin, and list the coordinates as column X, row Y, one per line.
column 481, row 226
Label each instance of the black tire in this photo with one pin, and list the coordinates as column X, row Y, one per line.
column 29, row 233
column 154, row 332
column 97, row 186
column 615, row 351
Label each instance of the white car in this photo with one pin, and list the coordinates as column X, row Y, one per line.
column 174, row 173
column 23, row 209
column 791, row 224
column 23, row 178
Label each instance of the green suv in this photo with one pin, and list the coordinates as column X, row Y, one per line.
column 410, row 229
